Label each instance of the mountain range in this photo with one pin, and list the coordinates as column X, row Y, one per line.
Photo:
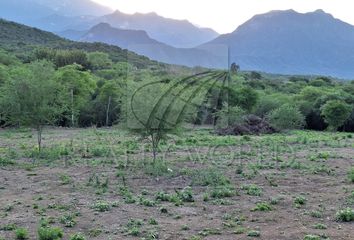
column 292, row 43
column 285, row 42
column 140, row 42
column 80, row 15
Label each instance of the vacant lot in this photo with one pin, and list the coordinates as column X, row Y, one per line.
column 103, row 183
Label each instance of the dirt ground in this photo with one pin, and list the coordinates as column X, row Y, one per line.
column 305, row 183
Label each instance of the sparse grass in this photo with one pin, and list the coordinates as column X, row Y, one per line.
column 217, row 187
column 263, row 206
column 209, row 176
column 312, row 237
column 101, row 206
column 77, row 236
column 252, row 190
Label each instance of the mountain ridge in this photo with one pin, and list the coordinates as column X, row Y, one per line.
column 288, row 42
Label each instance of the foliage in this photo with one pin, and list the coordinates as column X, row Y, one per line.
column 335, row 113
column 286, row 117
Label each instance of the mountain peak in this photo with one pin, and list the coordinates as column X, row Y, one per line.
column 320, row 11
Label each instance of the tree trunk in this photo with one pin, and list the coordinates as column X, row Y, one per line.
column 72, row 108
column 39, row 138
column 107, row 111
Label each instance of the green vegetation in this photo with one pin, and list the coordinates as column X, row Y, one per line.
column 21, row 234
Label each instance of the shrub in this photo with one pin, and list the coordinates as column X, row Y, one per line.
column 46, row 233
column 286, row 117
column 210, row 176
column 351, row 175
column 335, row 113
column 21, row 234
column 300, row 200
column 345, row 215
column 229, row 116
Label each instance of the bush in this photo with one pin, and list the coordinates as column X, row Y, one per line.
column 229, row 116
column 351, row 175
column 345, row 215
column 21, row 234
column 336, row 113
column 286, row 117
column 46, row 233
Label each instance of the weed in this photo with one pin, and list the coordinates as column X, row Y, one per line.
column 209, row 176
column 77, row 236
column 316, row 214
column 101, row 206
column 254, row 233
column 222, row 192
column 185, row 227
column 94, row 232
column 152, row 221
column 8, row 227
column 68, row 220
column 312, row 237
column 300, row 200
column 319, row 226
column 6, row 162
column 252, row 190
column 263, row 206
column 65, row 179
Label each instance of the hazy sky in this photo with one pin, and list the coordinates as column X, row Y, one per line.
column 225, row 15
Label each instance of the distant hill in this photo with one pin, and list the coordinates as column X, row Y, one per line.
column 177, row 33
column 22, row 40
column 140, row 42
column 289, row 42
column 30, row 11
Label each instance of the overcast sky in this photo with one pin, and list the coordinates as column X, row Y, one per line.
column 225, row 15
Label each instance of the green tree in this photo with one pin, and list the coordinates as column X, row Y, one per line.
column 79, row 85
column 99, row 60
column 108, row 102
column 32, row 98
column 286, row 117
column 335, row 113
column 245, row 97
column 229, row 116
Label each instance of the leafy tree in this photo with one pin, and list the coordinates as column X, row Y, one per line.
column 156, row 109
column 108, row 102
column 79, row 85
column 4, row 76
column 229, row 116
column 32, row 98
column 99, row 60
column 286, row 117
column 335, row 113
column 244, row 97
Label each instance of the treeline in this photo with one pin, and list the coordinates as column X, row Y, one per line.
column 78, row 88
